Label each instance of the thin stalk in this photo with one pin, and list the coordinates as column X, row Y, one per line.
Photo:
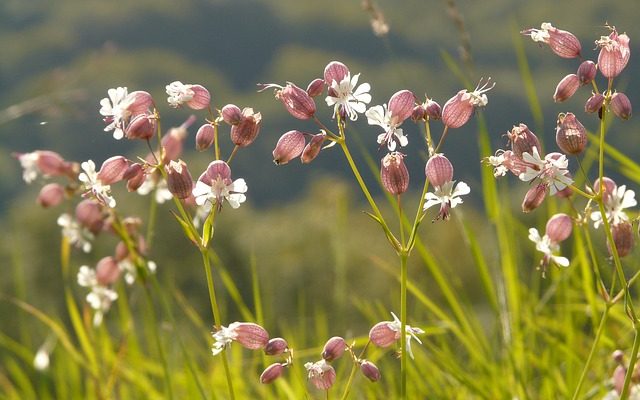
column 403, row 325
column 630, row 369
column 442, row 138
column 233, row 153
column 156, row 337
column 354, row 369
column 216, row 145
column 151, row 224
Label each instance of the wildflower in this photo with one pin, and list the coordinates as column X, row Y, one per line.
column 614, row 204
column 120, row 106
column 566, row 88
column 321, row 374
column 622, row 238
column 334, row 348
column 246, row 130
column 50, row 195
column 100, row 297
column 391, row 117
column 94, row 186
column 194, row 96
column 315, row 87
column 614, row 53
column 552, row 171
column 89, row 214
column 497, row 161
column 298, row 102
column 621, row 105
column 248, row 334
column 215, row 185
column 276, row 346
column 370, row 370
column 41, row 360
column 394, row 174
column 587, row 72
column 343, row 94
column 76, row 234
column 107, row 271
column 439, row 171
column 159, row 187
column 522, row 140
column 179, row 181
column 205, row 137
column 112, row 170
column 458, row 109
column 571, row 135
column 43, row 162
column 142, row 126
column 564, row 44
column 558, row 228
column 534, row 197
column 594, row 103
column 272, row 372
column 231, row 114
column 312, row 149
column 289, row 146
column 385, row 333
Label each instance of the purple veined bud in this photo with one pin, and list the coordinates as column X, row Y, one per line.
column 312, row 149
column 272, row 372
column 205, row 137
column 142, row 126
column 559, row 227
column 370, row 371
column 107, row 271
column 419, row 113
column 382, row 335
column 618, row 378
column 620, row 105
column 113, row 169
column 179, row 181
column 289, row 146
column 609, row 186
column 565, row 193
column 335, row 71
column 401, row 106
column 522, row 140
column 571, row 136
column 89, row 214
column 562, row 43
column 297, row 101
column 50, row 195
column 439, row 170
column 516, row 165
column 142, row 102
column 334, row 348
column 458, row 110
column 135, row 177
column 566, row 88
column 321, row 374
column 433, row 110
column 231, row 114
column 614, row 53
column 622, row 237
column 316, row 87
column 216, row 169
column 276, row 346
column 534, row 197
column 394, row 174
column 251, row 336
column 51, row 163
column 587, row 72
column 201, row 98
column 246, row 131
column 594, row 103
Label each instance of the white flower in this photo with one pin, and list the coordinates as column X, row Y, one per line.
column 547, row 247
column 619, row 199
column 447, row 196
column 76, row 234
column 219, row 190
column 381, row 116
column 115, row 110
column 342, row 94
column 150, row 183
column 497, row 161
column 100, row 297
column 29, row 163
column 551, row 171
column 223, row 337
column 92, row 184
column 317, row 369
column 130, row 272
column 411, row 332
column 179, row 93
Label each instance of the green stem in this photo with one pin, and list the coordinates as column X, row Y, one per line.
column 632, row 362
column 216, row 145
column 156, row 337
column 354, row 370
column 151, row 224
column 403, row 325
column 594, row 347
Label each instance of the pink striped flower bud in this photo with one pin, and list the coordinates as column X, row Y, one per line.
column 246, row 131
column 205, row 137
column 564, row 44
column 321, row 374
column 566, row 88
column 370, row 371
column 382, row 335
column 107, row 271
column 289, row 146
column 618, row 378
column 173, row 143
column 622, row 237
column 89, row 214
column 559, row 227
column 141, row 102
column 522, row 140
column 135, row 177
column 614, row 53
column 50, row 195
column 251, row 336
column 217, row 169
column 571, row 136
column 113, row 169
column 231, row 114
column 534, row 197
column 196, row 97
column 594, row 103
column 621, row 106
column 276, row 346
column 439, row 170
column 316, row 87
column 433, row 110
column 335, row 71
column 401, row 106
column 312, row 149
column 179, row 181
column 297, row 101
column 587, row 72
column 272, row 372
column 394, row 174
column 609, row 188
column 51, row 163
column 142, row 126
column 334, row 348
column 458, row 110
column 419, row 113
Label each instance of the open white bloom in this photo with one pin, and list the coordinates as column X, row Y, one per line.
column 411, row 332
column 115, row 110
column 342, row 94
column 76, row 234
column 381, row 116
column 447, row 196
column 150, row 184
column 93, row 185
column 223, row 337
column 552, row 170
column 219, row 190
column 497, row 161
column 547, row 247
column 615, row 203
column 541, row 35
column 29, row 163
column 179, row 93
column 130, row 271
column 100, row 297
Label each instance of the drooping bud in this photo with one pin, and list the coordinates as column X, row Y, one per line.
column 179, row 181
column 382, row 335
column 246, row 131
column 439, row 170
column 276, row 346
column 433, row 110
column 141, row 102
column 334, row 348
column 251, row 336
column 216, row 169
column 419, row 113
column 113, row 169
column 50, row 195
column 587, row 72
column 335, row 71
column 107, row 271
column 142, row 126
column 297, row 101
column 594, row 103
column 231, row 114
column 609, row 187
column 134, row 176
column 272, row 372
column 89, row 214
column 394, row 174
column 370, row 371
column 620, row 105
column 559, row 227
column 49, row 163
column 622, row 237
column 459, row 109
column 312, row 149
column 205, row 137
column 289, row 146
column 571, row 136
column 315, row 87
column 564, row 44
column 201, row 98
column 614, row 53
column 401, row 106
column 534, row 197
column 522, row 140
column 566, row 88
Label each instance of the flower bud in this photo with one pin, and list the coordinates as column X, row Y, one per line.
column 89, row 214
column 179, row 181
column 433, row 110
column 276, row 346
column 334, row 348
column 142, row 126
column 272, row 372
column 312, row 149
column 620, row 105
column 315, row 87
column 456, row 112
column 50, row 195
column 609, row 186
column 522, row 140
column 231, row 114
column 172, row 143
column 618, row 378
column 394, row 174
column 370, row 371
column 216, row 169
column 107, row 271
column 587, row 72
column 382, row 335
column 135, row 177
column 622, row 237
column 401, row 106
column 51, row 163
column 321, row 374
column 335, row 71
column 419, row 113
column 534, row 197
column 205, row 137
column 614, row 54
column 571, row 136
column 297, row 101
column 289, row 146
column 439, row 170
column 594, row 103
column 201, row 97
column 566, row 88
column 251, row 336
column 142, row 102
column 559, row 227
column 113, row 169
column 246, row 131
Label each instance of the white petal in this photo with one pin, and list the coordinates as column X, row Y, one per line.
column 358, row 107
column 561, row 261
column 461, row 189
column 201, row 192
column 375, row 116
column 534, row 236
column 331, row 100
column 238, row 186
column 235, row 199
column 362, row 90
column 432, row 200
